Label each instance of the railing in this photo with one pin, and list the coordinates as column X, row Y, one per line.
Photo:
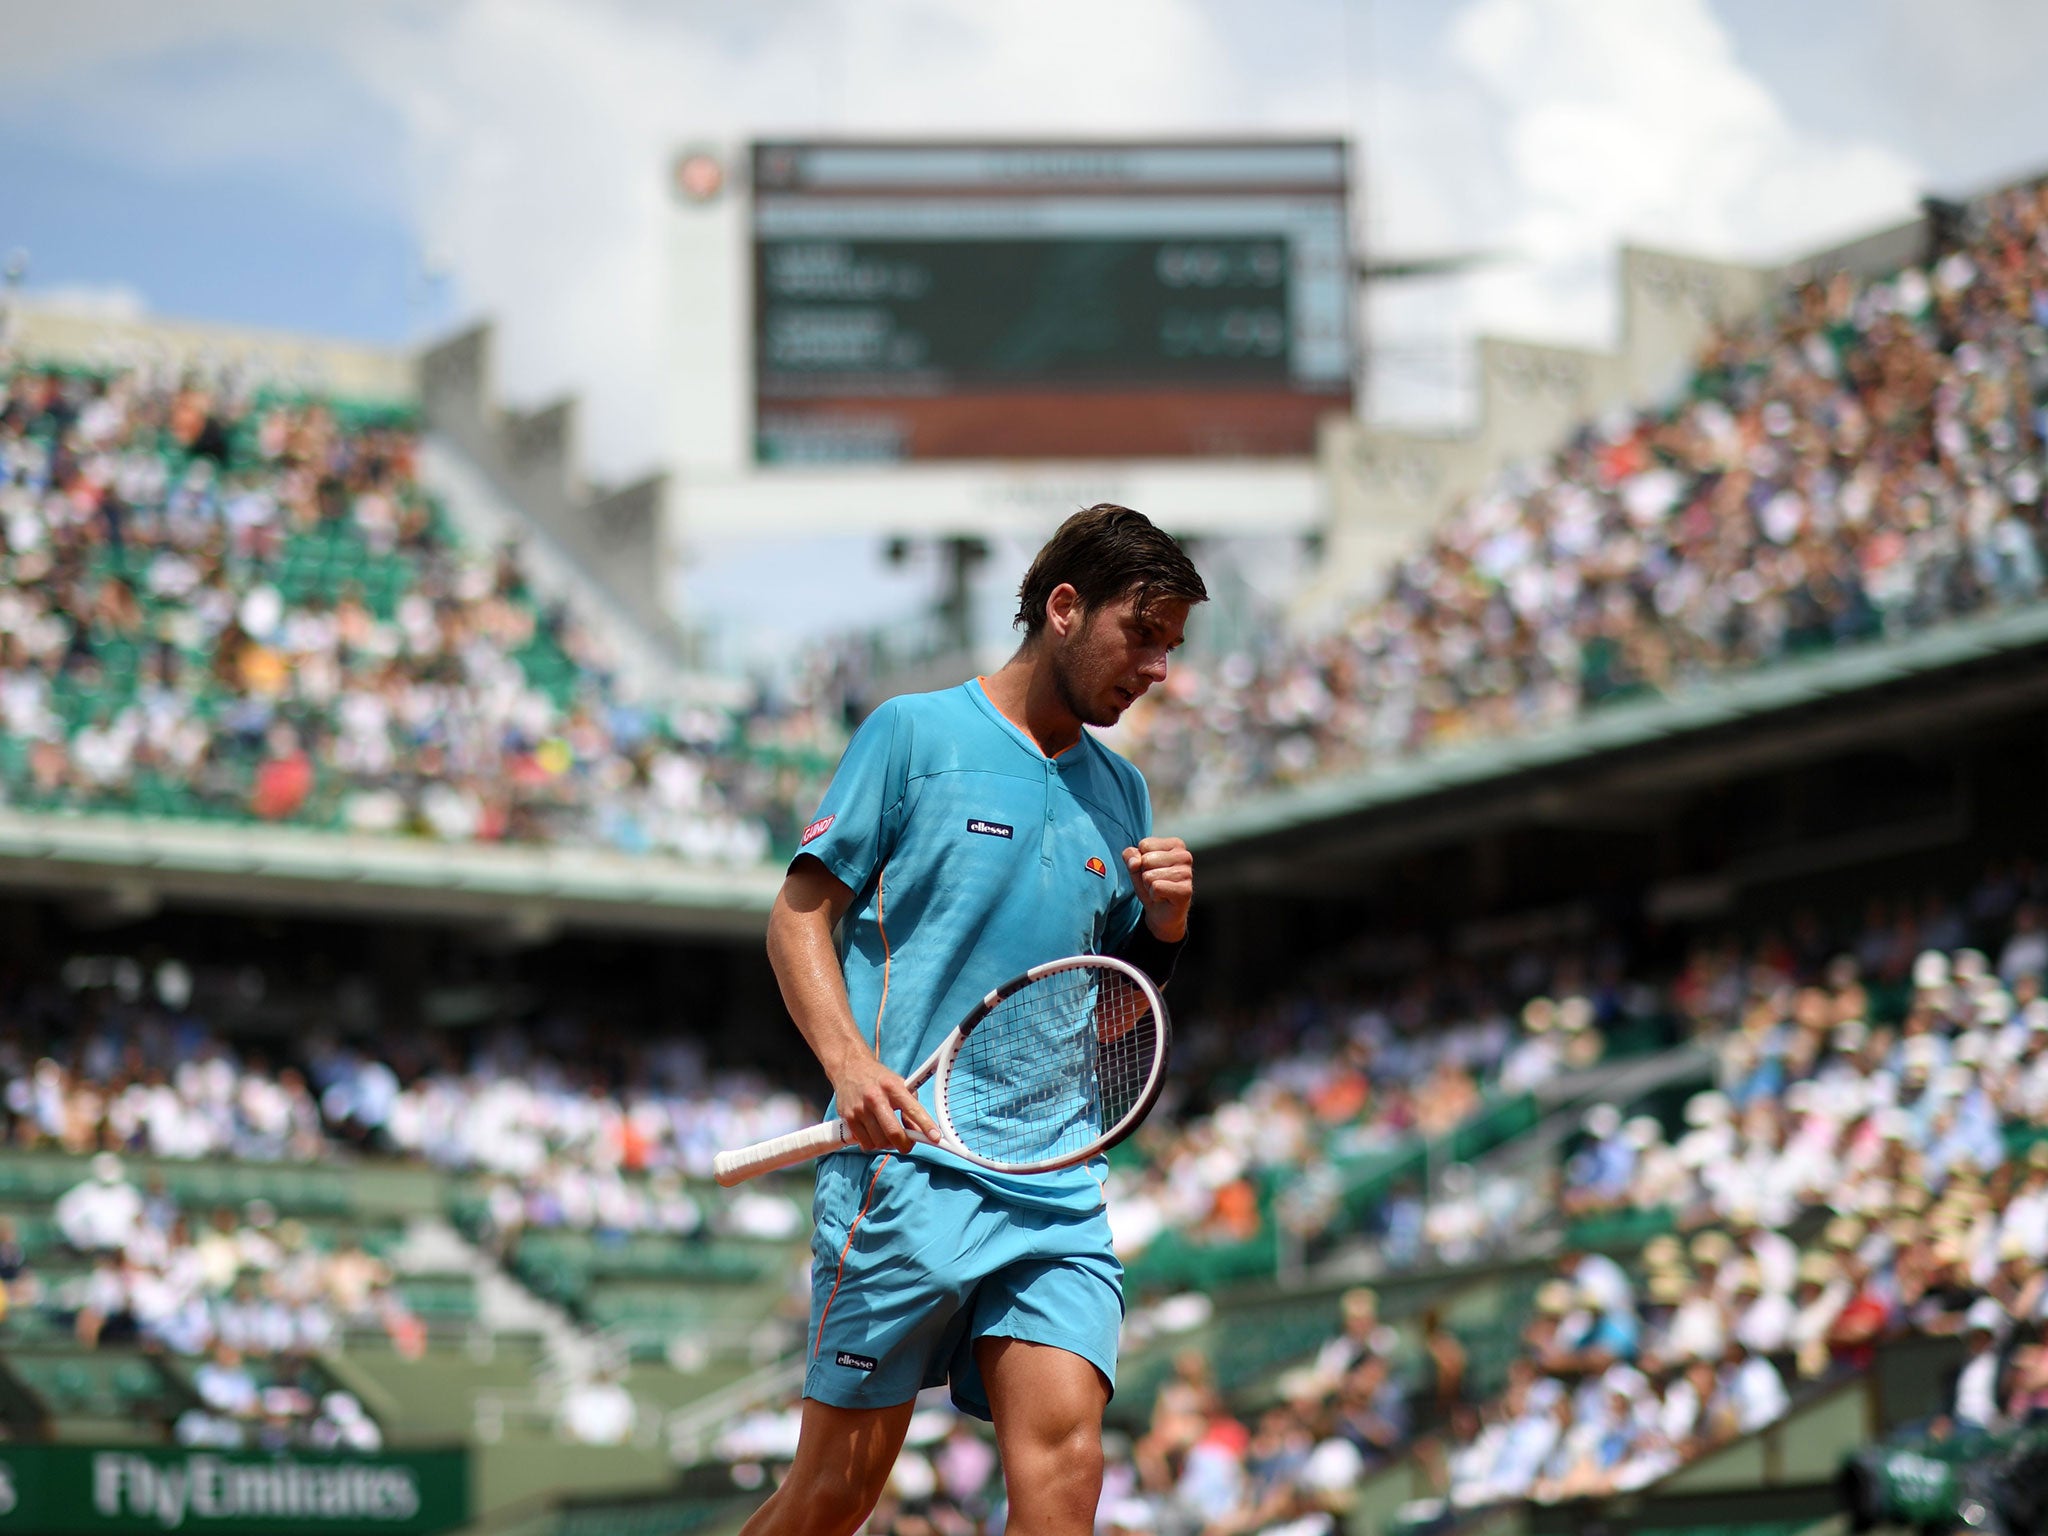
column 692, row 1427
column 689, row 1350
column 684, row 1434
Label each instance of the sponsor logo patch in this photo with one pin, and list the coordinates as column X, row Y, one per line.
column 855, row 1362
column 1097, row 868
column 989, row 828
column 818, row 828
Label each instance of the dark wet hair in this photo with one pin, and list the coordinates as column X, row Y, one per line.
column 1105, row 553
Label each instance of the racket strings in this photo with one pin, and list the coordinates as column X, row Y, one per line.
column 1055, row 1068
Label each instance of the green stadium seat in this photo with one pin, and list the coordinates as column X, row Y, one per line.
column 109, row 1384
column 1621, row 1229
column 36, row 1229
column 440, row 1298
column 50, row 1177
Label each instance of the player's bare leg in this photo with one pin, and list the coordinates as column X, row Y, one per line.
column 843, row 1458
column 1048, row 1407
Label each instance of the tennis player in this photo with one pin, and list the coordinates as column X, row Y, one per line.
column 968, row 835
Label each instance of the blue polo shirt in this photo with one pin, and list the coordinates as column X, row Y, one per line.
column 972, row 857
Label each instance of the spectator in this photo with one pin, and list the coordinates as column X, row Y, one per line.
column 1976, row 1395
column 344, row 1426
column 225, row 1385
column 1755, row 1391
column 99, row 1214
column 16, row 1285
column 598, row 1411
column 2026, row 949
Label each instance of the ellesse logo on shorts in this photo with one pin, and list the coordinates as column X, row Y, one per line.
column 855, row 1362
column 989, row 828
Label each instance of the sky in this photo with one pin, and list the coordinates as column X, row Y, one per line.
column 389, row 169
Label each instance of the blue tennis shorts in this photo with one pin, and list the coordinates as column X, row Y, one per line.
column 913, row 1261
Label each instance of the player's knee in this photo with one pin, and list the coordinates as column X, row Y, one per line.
column 1081, row 1457
column 1065, row 1468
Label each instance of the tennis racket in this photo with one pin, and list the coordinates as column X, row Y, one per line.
column 1049, row 1070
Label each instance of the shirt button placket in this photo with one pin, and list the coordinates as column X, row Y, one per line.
column 1045, row 835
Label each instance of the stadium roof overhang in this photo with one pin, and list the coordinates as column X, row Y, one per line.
column 1620, row 763
column 132, row 865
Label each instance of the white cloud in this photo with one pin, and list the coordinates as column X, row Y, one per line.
column 1625, row 118
column 1554, row 130
column 538, row 133
column 530, row 136
column 1049, row 67
column 96, row 301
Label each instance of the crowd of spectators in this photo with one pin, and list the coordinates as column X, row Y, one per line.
column 216, row 600
column 109, row 1054
column 1862, row 461
column 252, row 1297
column 1293, row 1465
column 564, row 1140
column 1630, row 1366
column 1920, row 1136
column 1866, row 1070
column 1345, row 1073
column 946, row 1482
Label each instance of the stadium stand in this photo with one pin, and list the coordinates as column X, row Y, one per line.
column 1239, row 1433
column 1862, row 1178
column 228, row 602
column 1859, row 464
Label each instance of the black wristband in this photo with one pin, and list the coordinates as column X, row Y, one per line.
column 1151, row 954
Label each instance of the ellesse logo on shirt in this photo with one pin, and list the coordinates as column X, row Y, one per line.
column 989, row 828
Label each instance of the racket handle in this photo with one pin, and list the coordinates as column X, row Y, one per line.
column 730, row 1168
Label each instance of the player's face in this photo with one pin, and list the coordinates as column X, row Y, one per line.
column 1118, row 652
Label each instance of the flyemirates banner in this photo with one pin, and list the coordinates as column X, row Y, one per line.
column 57, row 1490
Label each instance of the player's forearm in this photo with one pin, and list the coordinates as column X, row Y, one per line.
column 875, row 1104
column 806, row 964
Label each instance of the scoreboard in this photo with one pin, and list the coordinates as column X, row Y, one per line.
column 936, row 301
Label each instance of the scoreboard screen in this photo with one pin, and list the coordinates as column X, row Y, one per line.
column 1053, row 301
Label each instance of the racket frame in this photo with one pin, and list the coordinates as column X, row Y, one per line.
column 949, row 1052
column 734, row 1167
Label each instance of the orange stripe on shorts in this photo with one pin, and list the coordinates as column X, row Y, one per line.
column 847, row 1247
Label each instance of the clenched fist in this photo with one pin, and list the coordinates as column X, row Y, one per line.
column 1163, row 871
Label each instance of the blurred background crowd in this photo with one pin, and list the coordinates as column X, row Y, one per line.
column 226, row 603
column 1867, row 1163
column 229, row 603
column 1861, row 462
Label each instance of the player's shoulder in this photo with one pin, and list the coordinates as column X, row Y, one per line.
column 914, row 709
column 917, row 725
column 911, row 717
column 940, row 706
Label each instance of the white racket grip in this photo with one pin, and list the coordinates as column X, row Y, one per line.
column 731, row 1168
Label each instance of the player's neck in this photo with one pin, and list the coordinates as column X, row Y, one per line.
column 1029, row 699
